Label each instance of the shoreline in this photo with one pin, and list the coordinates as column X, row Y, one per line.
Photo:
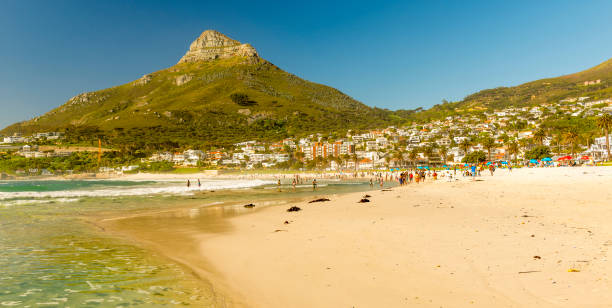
column 224, row 295
column 417, row 245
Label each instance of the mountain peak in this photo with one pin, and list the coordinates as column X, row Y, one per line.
column 211, row 45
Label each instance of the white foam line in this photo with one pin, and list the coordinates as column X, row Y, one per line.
column 140, row 191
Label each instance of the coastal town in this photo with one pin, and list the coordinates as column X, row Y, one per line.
column 504, row 135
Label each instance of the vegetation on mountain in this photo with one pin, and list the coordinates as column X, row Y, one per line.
column 208, row 104
column 216, row 96
column 595, row 83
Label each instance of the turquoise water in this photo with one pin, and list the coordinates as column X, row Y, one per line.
column 44, row 186
column 50, row 255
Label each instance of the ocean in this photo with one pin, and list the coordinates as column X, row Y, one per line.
column 51, row 254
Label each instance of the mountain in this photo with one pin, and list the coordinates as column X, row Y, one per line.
column 221, row 91
column 595, row 83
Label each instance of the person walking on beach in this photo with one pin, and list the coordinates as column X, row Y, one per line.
column 473, row 168
column 188, row 184
column 371, row 183
column 293, row 184
column 199, row 183
column 381, row 182
column 279, row 185
column 314, row 184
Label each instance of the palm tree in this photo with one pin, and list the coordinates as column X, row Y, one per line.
column 428, row 151
column 524, row 144
column 539, row 136
column 414, row 153
column 387, row 160
column 465, row 145
column 443, row 151
column 339, row 161
column 571, row 137
column 399, row 155
column 558, row 139
column 513, row 149
column 489, row 143
column 605, row 123
column 588, row 138
column 355, row 160
column 346, row 158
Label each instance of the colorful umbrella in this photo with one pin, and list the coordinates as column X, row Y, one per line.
column 585, row 157
column 533, row 161
column 547, row 159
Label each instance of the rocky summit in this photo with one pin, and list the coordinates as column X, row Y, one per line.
column 212, row 45
column 220, row 92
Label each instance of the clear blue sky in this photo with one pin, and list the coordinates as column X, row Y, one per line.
column 391, row 54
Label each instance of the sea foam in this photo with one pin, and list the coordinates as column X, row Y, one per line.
column 168, row 188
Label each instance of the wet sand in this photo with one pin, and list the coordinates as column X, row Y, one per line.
column 536, row 237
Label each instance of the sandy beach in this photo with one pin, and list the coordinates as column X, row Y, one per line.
column 534, row 237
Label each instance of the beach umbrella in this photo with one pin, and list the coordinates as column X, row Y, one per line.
column 504, row 163
column 585, row 157
column 547, row 159
column 533, row 161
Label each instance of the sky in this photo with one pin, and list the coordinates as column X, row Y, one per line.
column 390, row 54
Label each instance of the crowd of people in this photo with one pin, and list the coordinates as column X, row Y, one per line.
column 378, row 178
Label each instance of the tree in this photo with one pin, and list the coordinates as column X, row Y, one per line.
column 588, row 137
column 558, row 139
column 489, row 143
column 465, row 145
column 513, row 149
column 605, row 123
column 299, row 155
column 539, row 136
column 428, row 151
column 443, row 151
column 538, row 152
column 475, row 157
column 339, row 161
column 399, row 155
column 414, row 153
column 571, row 138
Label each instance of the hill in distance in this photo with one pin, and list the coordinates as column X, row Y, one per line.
column 220, row 92
column 595, row 83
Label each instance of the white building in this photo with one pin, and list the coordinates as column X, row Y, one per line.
column 598, row 148
column 14, row 139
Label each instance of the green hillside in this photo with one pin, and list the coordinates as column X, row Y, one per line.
column 532, row 93
column 214, row 102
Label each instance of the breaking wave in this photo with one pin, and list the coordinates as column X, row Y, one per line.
column 167, row 188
